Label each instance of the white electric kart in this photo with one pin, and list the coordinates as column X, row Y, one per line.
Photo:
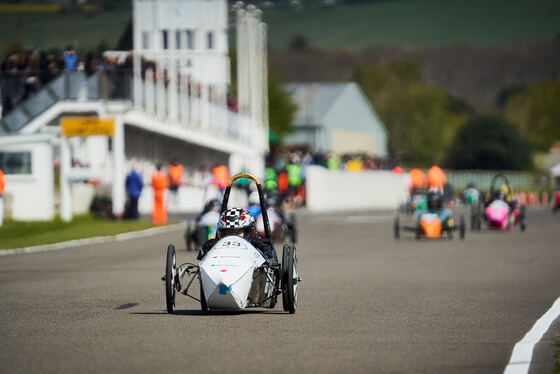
column 233, row 274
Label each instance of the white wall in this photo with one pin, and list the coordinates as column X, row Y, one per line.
column 342, row 190
column 31, row 195
column 190, row 199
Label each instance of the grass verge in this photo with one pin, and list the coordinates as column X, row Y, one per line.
column 17, row 234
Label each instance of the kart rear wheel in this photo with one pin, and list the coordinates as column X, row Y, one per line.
column 170, row 272
column 290, row 281
column 523, row 213
column 397, row 228
column 462, row 228
column 189, row 237
column 478, row 222
column 203, row 305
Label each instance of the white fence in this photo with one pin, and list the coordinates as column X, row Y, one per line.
column 343, row 190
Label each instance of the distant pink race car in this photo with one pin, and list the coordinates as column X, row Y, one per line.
column 500, row 214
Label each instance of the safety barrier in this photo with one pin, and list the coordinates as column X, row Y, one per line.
column 482, row 178
column 343, row 190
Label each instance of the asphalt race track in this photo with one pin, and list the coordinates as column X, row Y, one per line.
column 367, row 304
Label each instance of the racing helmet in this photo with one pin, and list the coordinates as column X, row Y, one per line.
column 236, row 221
column 213, row 204
column 435, row 200
column 499, row 195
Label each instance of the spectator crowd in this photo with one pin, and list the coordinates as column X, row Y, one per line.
column 23, row 73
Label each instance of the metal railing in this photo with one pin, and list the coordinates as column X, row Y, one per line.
column 483, row 178
column 73, row 85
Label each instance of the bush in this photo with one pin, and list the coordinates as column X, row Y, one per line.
column 489, row 143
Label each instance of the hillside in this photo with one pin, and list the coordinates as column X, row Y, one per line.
column 83, row 30
column 426, row 23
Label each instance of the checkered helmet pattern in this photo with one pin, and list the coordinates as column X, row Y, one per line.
column 235, row 220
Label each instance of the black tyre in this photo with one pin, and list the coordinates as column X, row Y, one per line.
column 285, row 255
column 293, row 226
column 523, row 213
column 397, row 228
column 203, row 305
column 462, row 228
column 290, row 281
column 170, row 271
column 478, row 222
column 189, row 237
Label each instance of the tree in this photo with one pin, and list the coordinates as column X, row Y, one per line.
column 536, row 112
column 419, row 118
column 281, row 108
column 490, row 143
column 299, row 43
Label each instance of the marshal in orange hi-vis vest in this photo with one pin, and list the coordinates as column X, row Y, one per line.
column 221, row 174
column 417, row 178
column 175, row 174
column 159, row 184
column 436, row 177
column 2, row 182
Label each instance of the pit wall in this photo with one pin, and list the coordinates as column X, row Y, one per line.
column 30, row 196
column 330, row 190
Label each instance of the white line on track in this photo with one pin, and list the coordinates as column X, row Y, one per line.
column 523, row 351
column 95, row 240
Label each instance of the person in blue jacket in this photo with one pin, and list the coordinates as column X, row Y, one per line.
column 134, row 185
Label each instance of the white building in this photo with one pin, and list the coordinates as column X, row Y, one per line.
column 336, row 117
column 173, row 105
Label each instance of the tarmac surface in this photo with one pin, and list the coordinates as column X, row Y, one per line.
column 367, row 304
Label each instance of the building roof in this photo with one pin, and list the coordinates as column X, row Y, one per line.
column 314, row 100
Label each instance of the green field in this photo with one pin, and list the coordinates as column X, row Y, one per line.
column 426, row 23
column 18, row 234
column 83, row 30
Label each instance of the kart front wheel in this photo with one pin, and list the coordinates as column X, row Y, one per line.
column 203, row 305
column 291, row 278
column 293, row 226
column 170, row 271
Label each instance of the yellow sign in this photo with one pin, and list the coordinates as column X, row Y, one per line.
column 87, row 126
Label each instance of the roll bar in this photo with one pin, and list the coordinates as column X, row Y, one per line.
column 495, row 179
column 261, row 198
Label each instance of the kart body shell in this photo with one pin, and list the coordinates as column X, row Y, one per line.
column 556, row 201
column 432, row 224
column 227, row 275
column 498, row 215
